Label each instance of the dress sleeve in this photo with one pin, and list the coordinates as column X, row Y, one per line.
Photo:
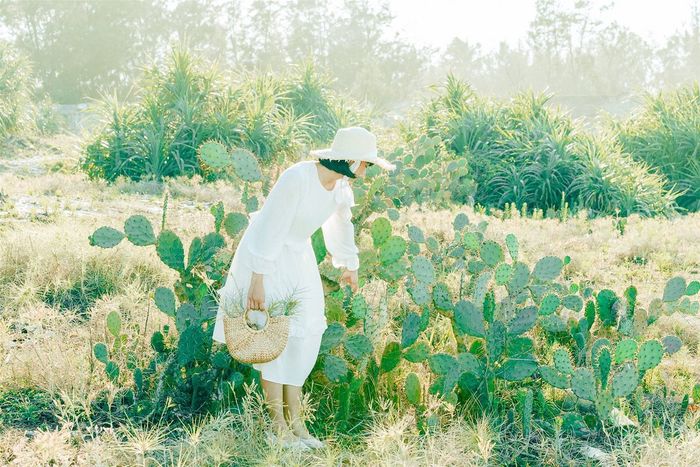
column 273, row 221
column 339, row 236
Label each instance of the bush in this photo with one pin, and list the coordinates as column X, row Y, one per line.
column 16, row 90
column 666, row 135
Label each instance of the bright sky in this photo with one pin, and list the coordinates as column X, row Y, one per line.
column 436, row 22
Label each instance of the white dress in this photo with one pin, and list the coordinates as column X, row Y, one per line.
column 277, row 244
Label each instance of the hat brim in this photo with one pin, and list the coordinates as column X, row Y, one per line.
column 328, row 153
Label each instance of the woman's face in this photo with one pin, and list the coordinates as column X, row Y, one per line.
column 361, row 170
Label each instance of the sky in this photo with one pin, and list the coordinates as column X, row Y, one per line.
column 436, row 22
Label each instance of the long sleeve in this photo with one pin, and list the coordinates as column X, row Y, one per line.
column 339, row 236
column 271, row 224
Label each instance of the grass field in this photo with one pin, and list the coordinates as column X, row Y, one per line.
column 56, row 289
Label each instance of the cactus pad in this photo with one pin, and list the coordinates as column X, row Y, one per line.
column 380, row 230
column 468, row 319
column 245, row 165
column 234, row 223
column 460, row 221
column 495, row 340
column 214, row 155
column 672, row 344
column 549, row 304
column 503, row 273
column 523, row 321
column 471, row 241
column 417, row 352
column 554, row 377
column 604, row 404
column 603, row 368
column 562, row 361
column 334, row 368
column 391, row 356
column 392, row 249
column 491, row 253
column 412, row 389
column 548, row 268
column 625, row 380
column 675, row 289
column 519, row 278
column 105, row 237
column 139, row 230
column 332, row 336
column 649, row 355
column 572, row 302
column 692, row 288
column 170, row 250
column 553, row 324
column 515, row 369
column 423, row 270
column 625, row 350
column 410, row 329
column 357, row 346
column 583, row 383
column 512, row 245
column 481, row 286
column 442, row 296
column 415, row 234
column 420, row 293
column 165, row 300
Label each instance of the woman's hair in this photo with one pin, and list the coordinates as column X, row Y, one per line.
column 340, row 166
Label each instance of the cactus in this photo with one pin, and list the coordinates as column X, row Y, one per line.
column 106, row 237
column 549, row 304
column 574, row 303
column 415, row 234
column 495, row 340
column 139, row 230
column 516, row 369
column 420, row 293
column 380, row 230
column 523, row 321
column 674, row 289
column 489, row 307
column 481, row 286
column 423, row 270
column 412, row 389
column 491, row 253
column 358, row 346
column 554, row 377
column 332, row 337
column 650, row 354
column 672, row 344
column 334, row 368
column 519, row 278
column 604, row 404
column 625, row 380
column 692, row 288
column 460, row 221
column 553, row 324
column 548, row 268
column 214, row 155
column 165, row 300
column 604, row 362
column 417, row 352
column 471, row 241
column 390, row 357
column 625, row 350
column 441, row 297
column 392, row 249
column 583, row 383
column 468, row 319
column 606, row 312
column 503, row 273
column 234, row 223
column 245, row 165
column 512, row 245
column 410, row 330
column 359, row 306
column 170, row 250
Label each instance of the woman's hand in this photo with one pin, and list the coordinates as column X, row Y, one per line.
column 256, row 293
column 350, row 278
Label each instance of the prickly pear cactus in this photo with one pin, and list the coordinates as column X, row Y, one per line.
column 139, row 231
column 106, row 237
column 650, row 354
column 214, row 154
column 625, row 380
column 548, row 268
column 245, row 165
column 583, row 383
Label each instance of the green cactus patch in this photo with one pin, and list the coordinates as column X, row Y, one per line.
column 468, row 319
column 105, row 237
column 214, row 154
column 495, row 339
column 603, row 368
column 672, row 344
column 332, row 337
column 471, row 241
column 520, row 277
column 170, row 250
column 625, row 350
column 460, row 221
column 553, row 324
column 358, row 346
column 692, row 288
column 410, row 329
column 554, row 377
column 423, row 270
column 359, row 306
column 415, row 234
column 573, row 302
column 442, row 296
column 390, row 357
column 392, row 249
column 235, row 223
column 523, row 321
column 562, row 361
column 514, row 369
column 550, row 303
column 417, row 353
column 605, row 300
column 139, row 230
column 380, row 231
column 512, row 245
column 420, row 294
column 604, row 404
column 165, row 300
column 334, row 368
column 503, row 273
column 101, row 353
column 412, row 389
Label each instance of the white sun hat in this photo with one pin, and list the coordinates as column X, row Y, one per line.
column 353, row 143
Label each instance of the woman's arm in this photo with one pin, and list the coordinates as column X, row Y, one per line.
column 339, row 236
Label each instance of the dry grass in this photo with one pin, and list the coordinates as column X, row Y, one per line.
column 45, row 220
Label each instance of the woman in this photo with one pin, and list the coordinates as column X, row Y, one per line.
column 275, row 259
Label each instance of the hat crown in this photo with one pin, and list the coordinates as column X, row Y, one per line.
column 354, row 141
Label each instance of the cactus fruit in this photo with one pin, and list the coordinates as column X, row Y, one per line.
column 412, row 389
column 357, row 346
column 214, row 155
column 165, row 300
column 417, row 352
column 583, row 383
column 625, row 380
column 625, row 350
column 672, row 344
column 468, row 319
column 442, row 296
column 410, row 329
column 415, row 234
column 234, row 223
column 649, row 355
column 503, row 273
column 245, row 165
column 334, row 368
column 548, row 268
column 675, row 289
column 392, row 249
column 549, row 304
column 523, row 321
column 170, row 250
column 491, row 253
column 554, row 377
column 562, row 361
column 512, row 245
column 423, row 270
column 574, row 303
column 139, row 230
column 106, row 237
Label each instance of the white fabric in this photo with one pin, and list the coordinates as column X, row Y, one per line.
column 277, row 244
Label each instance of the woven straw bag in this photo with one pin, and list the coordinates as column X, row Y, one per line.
column 249, row 345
